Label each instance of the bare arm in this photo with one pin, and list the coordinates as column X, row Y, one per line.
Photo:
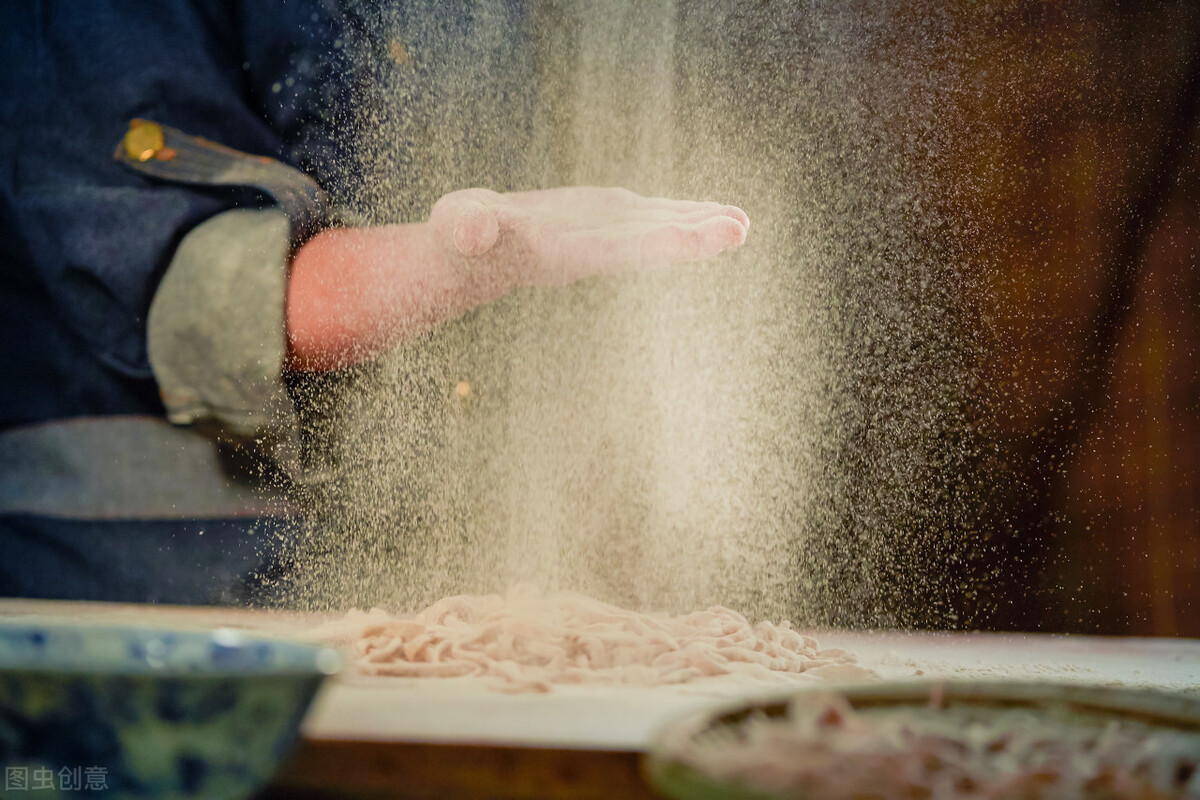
column 355, row 292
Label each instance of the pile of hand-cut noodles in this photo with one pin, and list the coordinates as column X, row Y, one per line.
column 530, row 641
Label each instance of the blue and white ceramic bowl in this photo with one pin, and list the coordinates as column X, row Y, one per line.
column 125, row 712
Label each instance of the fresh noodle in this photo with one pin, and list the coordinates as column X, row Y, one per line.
column 528, row 641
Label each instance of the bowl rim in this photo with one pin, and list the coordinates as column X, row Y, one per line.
column 318, row 660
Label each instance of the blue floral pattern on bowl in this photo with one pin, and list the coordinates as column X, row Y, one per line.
column 126, row 712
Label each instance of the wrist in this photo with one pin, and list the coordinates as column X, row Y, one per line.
column 353, row 293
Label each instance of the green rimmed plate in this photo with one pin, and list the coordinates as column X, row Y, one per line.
column 680, row 763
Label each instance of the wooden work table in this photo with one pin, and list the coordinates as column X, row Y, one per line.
column 457, row 738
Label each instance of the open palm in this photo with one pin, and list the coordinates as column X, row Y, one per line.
column 557, row 236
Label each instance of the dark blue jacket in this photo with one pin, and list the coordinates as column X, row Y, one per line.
column 84, row 240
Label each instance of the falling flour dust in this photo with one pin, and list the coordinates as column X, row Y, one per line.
column 768, row 431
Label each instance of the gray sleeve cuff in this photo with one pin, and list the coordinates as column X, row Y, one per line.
column 216, row 332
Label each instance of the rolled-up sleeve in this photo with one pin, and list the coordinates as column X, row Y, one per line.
column 225, row 367
column 91, row 250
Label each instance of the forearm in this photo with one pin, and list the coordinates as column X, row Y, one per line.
column 355, row 292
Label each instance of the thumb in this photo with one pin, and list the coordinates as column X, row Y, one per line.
column 476, row 229
column 467, row 219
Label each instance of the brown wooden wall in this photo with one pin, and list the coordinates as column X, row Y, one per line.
column 1072, row 110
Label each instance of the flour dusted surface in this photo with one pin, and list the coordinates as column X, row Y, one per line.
column 529, row 641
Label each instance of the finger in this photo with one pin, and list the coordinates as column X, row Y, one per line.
column 709, row 210
column 476, row 230
column 691, row 242
column 662, row 209
column 736, row 213
column 467, row 221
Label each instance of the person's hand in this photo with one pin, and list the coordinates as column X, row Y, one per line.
column 553, row 237
column 354, row 292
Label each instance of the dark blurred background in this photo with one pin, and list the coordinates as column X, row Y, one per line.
column 1082, row 169
column 1054, row 147
column 1076, row 188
